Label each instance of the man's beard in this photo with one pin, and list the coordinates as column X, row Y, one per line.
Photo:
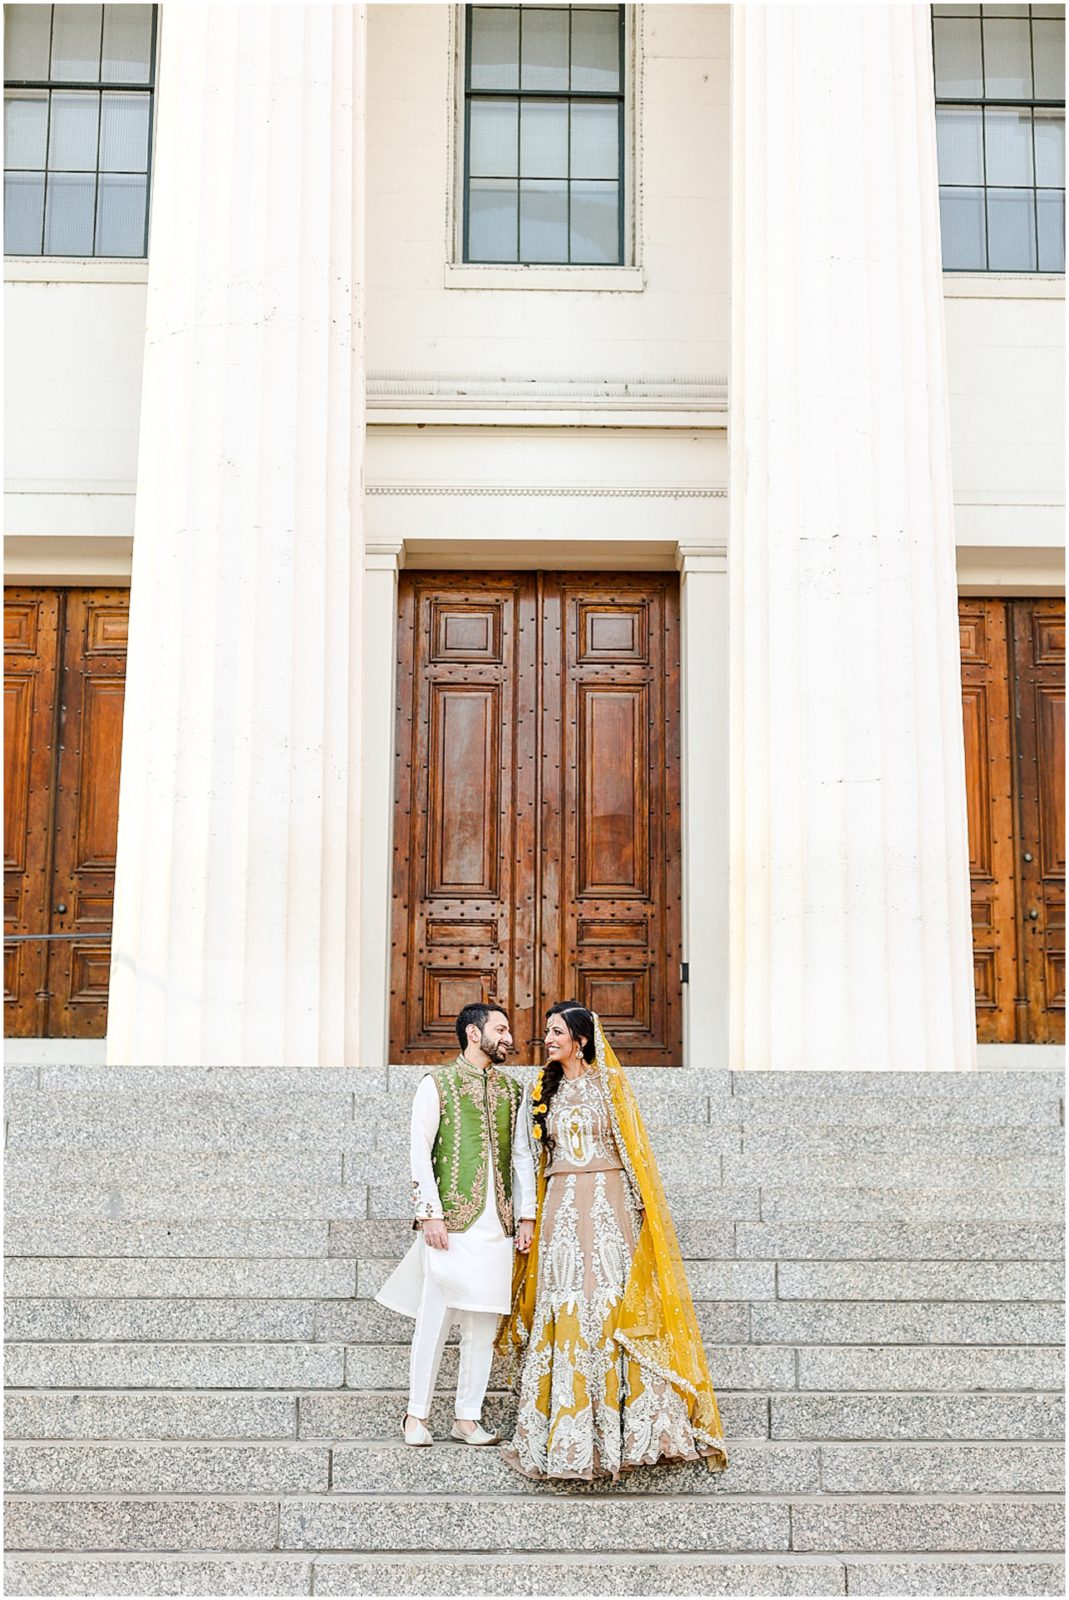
column 496, row 1050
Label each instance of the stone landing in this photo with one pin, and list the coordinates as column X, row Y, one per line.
column 205, row 1399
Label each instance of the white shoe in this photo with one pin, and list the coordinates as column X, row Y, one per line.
column 416, row 1432
column 478, row 1435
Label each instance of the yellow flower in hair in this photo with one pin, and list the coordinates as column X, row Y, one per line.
column 539, row 1109
column 536, row 1130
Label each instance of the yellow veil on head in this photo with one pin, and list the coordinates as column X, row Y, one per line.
column 657, row 1325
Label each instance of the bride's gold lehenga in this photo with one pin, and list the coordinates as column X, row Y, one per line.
column 614, row 1374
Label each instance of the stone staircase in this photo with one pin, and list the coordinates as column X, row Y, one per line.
column 204, row 1399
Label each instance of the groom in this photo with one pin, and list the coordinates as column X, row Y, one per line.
column 472, row 1176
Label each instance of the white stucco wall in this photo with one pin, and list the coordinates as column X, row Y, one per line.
column 677, row 325
column 1005, row 360
column 74, row 335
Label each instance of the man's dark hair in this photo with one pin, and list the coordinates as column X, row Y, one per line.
column 474, row 1016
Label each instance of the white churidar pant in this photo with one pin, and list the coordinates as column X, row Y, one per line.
column 470, row 1283
column 477, row 1266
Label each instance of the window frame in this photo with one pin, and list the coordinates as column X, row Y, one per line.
column 460, row 266
column 101, row 86
column 981, row 103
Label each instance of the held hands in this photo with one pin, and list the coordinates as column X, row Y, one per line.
column 524, row 1235
column 435, row 1233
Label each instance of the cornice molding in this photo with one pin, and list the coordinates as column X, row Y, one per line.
column 408, row 390
column 566, row 492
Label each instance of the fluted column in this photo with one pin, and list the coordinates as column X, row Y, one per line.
column 851, row 938
column 237, row 914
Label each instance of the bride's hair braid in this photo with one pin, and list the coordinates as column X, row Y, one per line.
column 580, row 1024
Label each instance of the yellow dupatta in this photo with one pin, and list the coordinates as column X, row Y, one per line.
column 657, row 1325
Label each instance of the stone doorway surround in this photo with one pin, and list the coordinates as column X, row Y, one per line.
column 702, row 566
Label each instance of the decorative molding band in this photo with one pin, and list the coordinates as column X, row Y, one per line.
column 409, row 389
column 556, row 492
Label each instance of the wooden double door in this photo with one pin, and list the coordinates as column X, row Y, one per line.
column 537, row 822
column 64, row 676
column 1013, row 687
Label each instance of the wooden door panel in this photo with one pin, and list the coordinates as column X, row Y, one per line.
column 466, row 802
column 1039, row 649
column 462, row 925
column 18, row 721
column 537, row 817
column 1013, row 702
column 611, row 780
column 613, row 773
column 31, row 634
column 97, row 776
column 985, row 670
column 1050, row 755
column 87, row 802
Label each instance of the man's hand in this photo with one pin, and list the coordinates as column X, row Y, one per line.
column 524, row 1236
column 435, row 1233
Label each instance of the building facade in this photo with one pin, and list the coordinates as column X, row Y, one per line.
column 563, row 487
column 518, row 501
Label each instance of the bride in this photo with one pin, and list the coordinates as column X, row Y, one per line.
column 614, row 1373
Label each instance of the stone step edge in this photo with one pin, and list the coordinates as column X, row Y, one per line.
column 299, row 1393
column 583, row 1558
column 691, row 1497
column 734, row 1346
column 382, row 1444
column 268, row 1342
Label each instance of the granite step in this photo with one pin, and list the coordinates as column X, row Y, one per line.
column 369, row 1467
column 535, row 1575
column 157, row 1575
column 1012, row 1369
column 756, row 1467
column 333, row 1414
column 214, row 1240
column 376, row 1414
column 362, row 1322
column 130, row 1277
column 214, row 1167
column 198, row 1467
column 685, row 1151
column 161, row 1365
column 149, row 1202
column 945, row 1416
column 878, row 1241
column 607, row 1523
column 810, row 1202
column 147, row 1414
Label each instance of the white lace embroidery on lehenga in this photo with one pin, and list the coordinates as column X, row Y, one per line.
column 586, row 1408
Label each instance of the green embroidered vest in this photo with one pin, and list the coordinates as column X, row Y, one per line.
column 478, row 1114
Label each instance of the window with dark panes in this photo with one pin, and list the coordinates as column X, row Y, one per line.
column 78, row 83
column 544, row 135
column 1000, row 127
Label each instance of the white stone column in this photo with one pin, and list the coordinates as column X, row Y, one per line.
column 851, row 937
column 382, row 562
column 703, row 579
column 237, row 912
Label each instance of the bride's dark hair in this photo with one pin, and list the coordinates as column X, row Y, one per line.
column 580, row 1024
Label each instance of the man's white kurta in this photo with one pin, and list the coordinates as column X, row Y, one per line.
column 475, row 1273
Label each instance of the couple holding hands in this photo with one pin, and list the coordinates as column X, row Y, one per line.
column 544, row 1231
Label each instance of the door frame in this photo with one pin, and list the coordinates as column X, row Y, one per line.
column 703, row 576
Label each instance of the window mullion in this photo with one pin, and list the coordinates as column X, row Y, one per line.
column 568, row 103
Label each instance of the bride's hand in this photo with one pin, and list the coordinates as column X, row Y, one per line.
column 524, row 1236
